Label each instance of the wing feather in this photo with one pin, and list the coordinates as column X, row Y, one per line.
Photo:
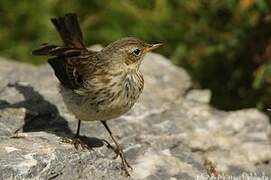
column 72, row 62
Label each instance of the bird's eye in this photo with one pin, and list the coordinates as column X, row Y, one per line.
column 136, row 52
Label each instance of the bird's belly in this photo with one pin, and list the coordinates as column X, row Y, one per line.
column 88, row 112
column 84, row 109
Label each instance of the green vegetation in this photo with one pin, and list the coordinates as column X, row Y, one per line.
column 224, row 44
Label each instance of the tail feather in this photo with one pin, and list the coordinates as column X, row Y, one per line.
column 54, row 50
column 69, row 30
column 44, row 50
column 71, row 35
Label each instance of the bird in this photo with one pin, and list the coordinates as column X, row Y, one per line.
column 96, row 85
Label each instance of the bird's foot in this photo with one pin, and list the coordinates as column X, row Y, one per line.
column 76, row 142
column 119, row 152
column 125, row 165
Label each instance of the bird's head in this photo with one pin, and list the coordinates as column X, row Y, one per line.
column 128, row 51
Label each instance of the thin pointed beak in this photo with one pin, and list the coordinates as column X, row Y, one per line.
column 153, row 46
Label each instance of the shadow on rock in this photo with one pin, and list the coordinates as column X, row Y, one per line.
column 42, row 115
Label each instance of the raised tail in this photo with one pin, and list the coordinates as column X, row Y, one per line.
column 70, row 33
column 69, row 30
column 72, row 50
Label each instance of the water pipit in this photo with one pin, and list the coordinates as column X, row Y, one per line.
column 96, row 85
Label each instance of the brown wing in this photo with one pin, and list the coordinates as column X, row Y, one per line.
column 79, row 68
column 71, row 62
column 71, row 66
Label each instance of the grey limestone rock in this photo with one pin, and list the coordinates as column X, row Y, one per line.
column 169, row 134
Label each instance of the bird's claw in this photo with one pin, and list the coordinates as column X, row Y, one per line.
column 76, row 142
column 119, row 152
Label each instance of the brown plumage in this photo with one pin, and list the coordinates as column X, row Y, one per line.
column 96, row 85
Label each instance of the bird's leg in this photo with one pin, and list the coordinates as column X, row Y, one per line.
column 118, row 150
column 76, row 141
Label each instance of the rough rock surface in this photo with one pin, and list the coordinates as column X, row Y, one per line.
column 171, row 133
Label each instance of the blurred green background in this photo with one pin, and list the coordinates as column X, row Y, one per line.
column 224, row 44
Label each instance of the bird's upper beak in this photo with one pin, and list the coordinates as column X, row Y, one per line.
column 151, row 47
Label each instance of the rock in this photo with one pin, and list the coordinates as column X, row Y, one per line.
column 170, row 133
column 203, row 96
